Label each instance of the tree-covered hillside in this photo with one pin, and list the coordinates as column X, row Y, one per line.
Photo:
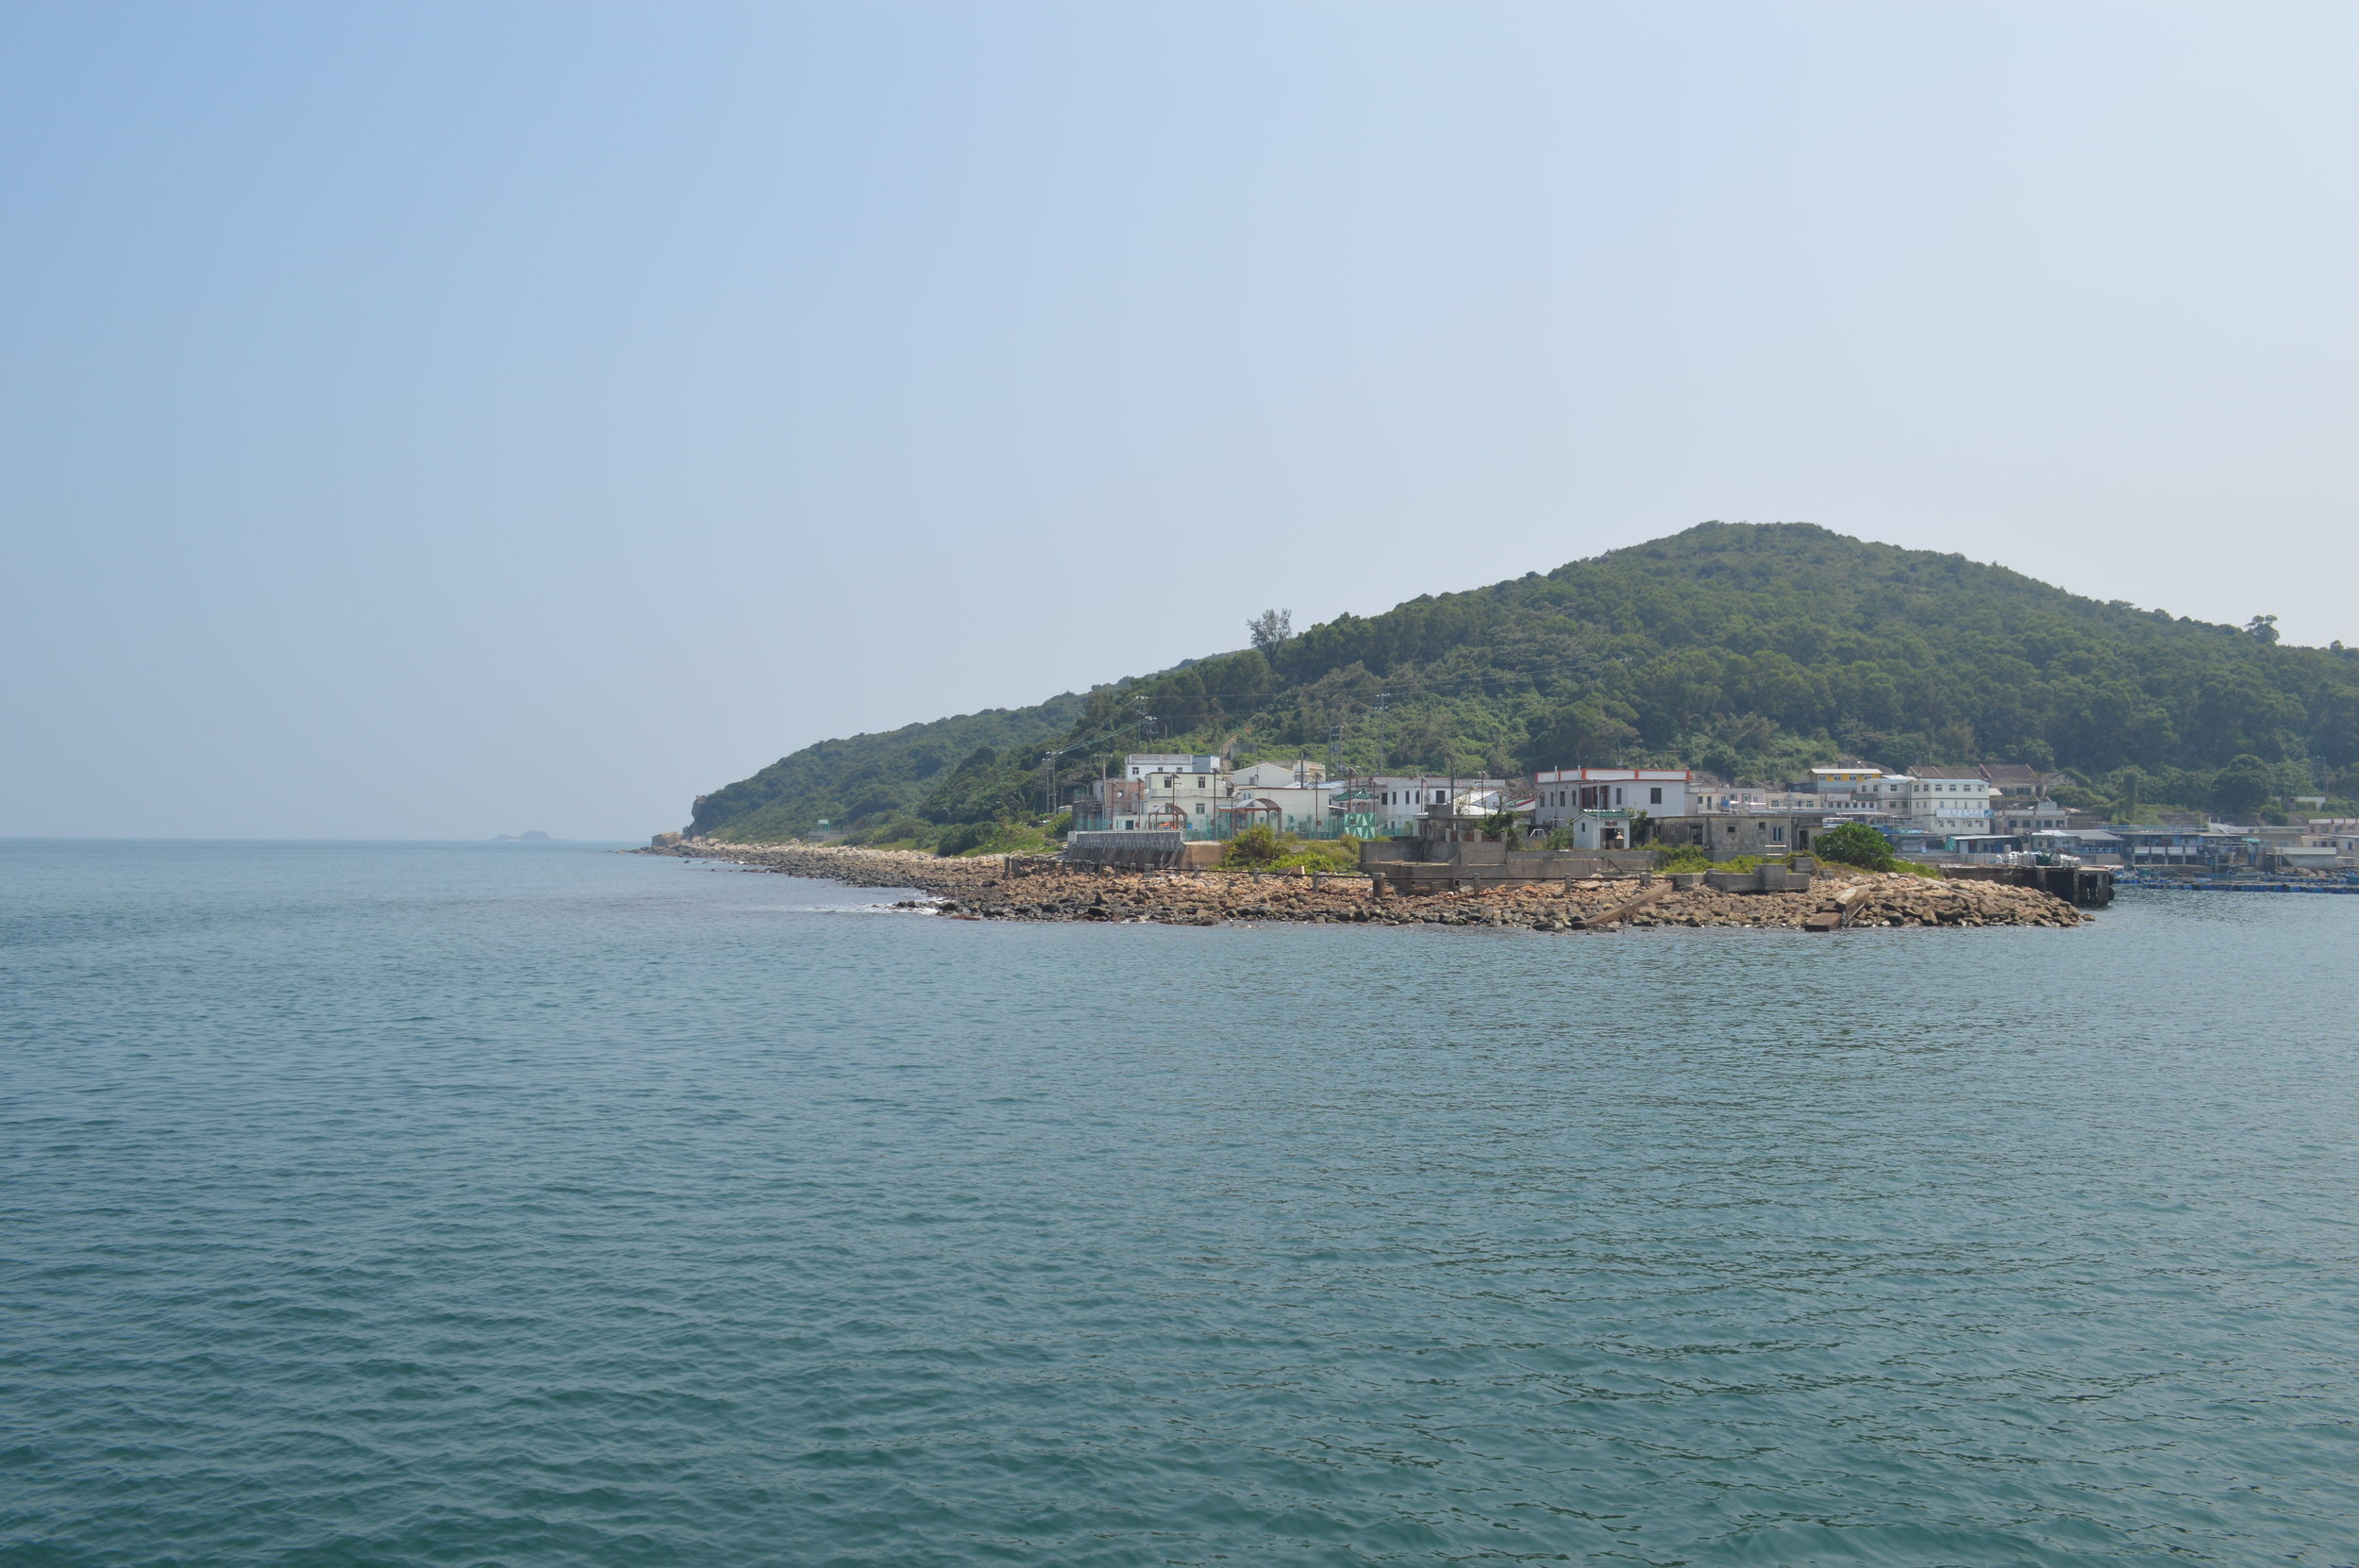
column 869, row 778
column 1748, row 650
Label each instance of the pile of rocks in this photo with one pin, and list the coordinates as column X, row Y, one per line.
column 1039, row 887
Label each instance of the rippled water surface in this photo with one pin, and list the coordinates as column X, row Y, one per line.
column 537, row 1205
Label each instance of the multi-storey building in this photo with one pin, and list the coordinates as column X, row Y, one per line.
column 1941, row 802
column 1560, row 794
column 1188, row 797
column 1156, row 790
column 1951, row 802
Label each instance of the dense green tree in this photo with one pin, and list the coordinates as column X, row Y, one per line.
column 1257, row 845
column 1855, row 844
column 2244, row 786
column 1578, row 735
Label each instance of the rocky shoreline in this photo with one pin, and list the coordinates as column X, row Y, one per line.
column 1042, row 888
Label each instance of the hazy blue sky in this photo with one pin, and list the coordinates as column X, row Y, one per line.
column 450, row 418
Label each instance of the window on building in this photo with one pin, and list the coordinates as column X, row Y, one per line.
column 1654, row 796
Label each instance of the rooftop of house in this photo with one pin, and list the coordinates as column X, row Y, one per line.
column 1617, row 776
column 1411, row 780
column 1138, row 762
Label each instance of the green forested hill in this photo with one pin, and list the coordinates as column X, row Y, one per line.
column 869, row 778
column 1751, row 650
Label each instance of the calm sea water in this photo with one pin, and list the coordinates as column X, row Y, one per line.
column 520, row 1204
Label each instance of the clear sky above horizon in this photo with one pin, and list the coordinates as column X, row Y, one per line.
column 431, row 420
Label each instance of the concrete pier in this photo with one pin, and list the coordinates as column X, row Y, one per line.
column 2083, row 887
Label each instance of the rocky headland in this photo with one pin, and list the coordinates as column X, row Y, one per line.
column 1042, row 888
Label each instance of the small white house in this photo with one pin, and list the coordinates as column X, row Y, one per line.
column 1607, row 829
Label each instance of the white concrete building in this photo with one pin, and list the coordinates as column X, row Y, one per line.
column 1949, row 802
column 1189, row 800
column 1607, row 829
column 1560, row 794
column 1400, row 799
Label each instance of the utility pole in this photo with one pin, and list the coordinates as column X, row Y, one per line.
column 1334, row 760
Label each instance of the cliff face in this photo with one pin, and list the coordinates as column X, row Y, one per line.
column 1751, row 650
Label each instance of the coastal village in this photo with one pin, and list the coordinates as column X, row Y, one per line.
column 1579, row 848
column 1994, row 815
column 1576, row 848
